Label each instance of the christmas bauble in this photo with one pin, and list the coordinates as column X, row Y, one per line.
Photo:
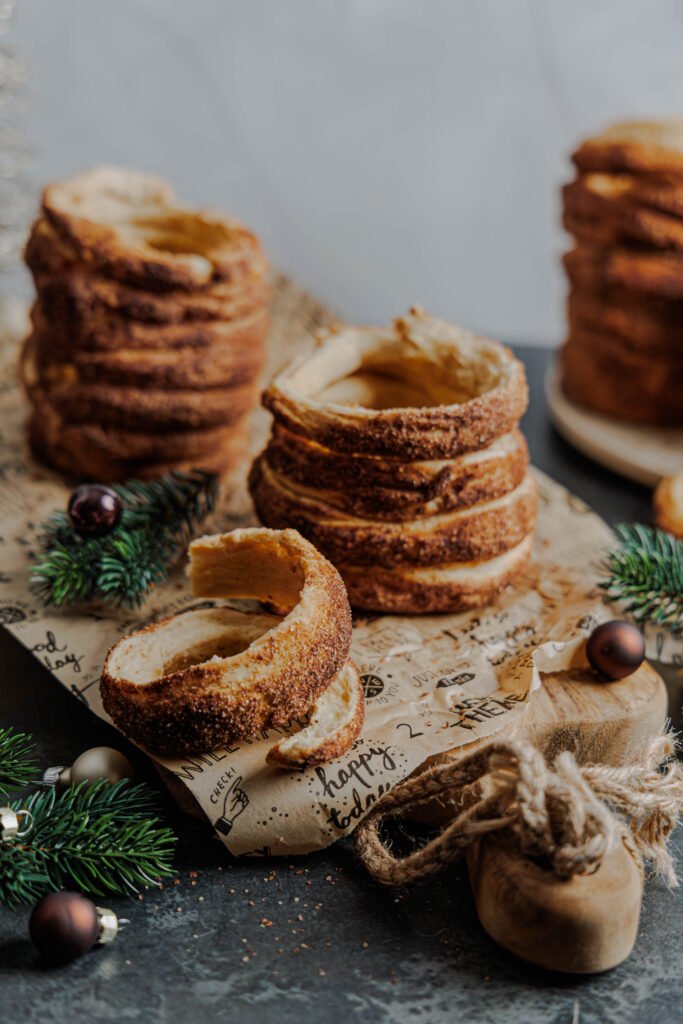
column 94, row 510
column 63, row 926
column 615, row 649
column 97, row 763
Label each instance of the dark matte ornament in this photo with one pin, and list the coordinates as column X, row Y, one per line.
column 94, row 510
column 615, row 649
column 63, row 926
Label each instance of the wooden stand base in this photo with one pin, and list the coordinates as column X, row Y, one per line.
column 581, row 925
column 589, row 923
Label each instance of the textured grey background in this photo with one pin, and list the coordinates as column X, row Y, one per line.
column 389, row 151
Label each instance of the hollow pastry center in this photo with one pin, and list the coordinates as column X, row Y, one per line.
column 173, row 646
column 380, row 371
column 150, row 218
column 178, row 233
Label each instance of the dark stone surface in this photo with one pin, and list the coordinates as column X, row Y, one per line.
column 312, row 939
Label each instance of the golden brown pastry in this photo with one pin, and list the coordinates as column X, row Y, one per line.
column 210, row 677
column 391, row 489
column 423, row 389
column 397, row 452
column 668, row 504
column 150, row 319
column 623, row 355
column 466, row 535
column 130, row 226
column 654, row 147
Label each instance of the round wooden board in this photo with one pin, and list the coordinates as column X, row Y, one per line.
column 641, row 453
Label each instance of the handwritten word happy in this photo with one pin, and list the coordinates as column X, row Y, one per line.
column 359, row 771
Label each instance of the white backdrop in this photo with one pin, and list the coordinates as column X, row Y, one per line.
column 388, row 151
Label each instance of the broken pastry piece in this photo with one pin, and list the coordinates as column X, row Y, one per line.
column 336, row 720
column 210, row 677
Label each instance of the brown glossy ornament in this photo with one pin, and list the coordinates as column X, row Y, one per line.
column 615, row 649
column 94, row 510
column 63, row 926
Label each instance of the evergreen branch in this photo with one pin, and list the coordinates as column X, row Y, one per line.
column 23, row 878
column 646, row 575
column 136, row 563
column 100, row 838
column 17, row 762
column 177, row 500
column 158, row 519
column 66, row 574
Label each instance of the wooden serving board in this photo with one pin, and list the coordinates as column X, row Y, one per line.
column 599, row 722
column 589, row 923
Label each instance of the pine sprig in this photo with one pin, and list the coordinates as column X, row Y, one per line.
column 178, row 500
column 23, row 878
column 646, row 575
column 158, row 519
column 66, row 574
column 97, row 837
column 17, row 762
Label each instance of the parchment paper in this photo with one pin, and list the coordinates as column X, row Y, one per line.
column 431, row 683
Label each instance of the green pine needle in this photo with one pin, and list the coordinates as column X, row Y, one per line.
column 134, row 563
column 23, row 878
column 98, row 838
column 17, row 762
column 66, row 574
column 646, row 575
column 159, row 517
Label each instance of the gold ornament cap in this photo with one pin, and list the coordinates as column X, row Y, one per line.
column 10, row 822
column 108, row 924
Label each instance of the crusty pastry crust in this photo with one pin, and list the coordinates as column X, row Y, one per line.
column 657, row 372
column 133, row 408
column 655, row 376
column 336, row 722
column 654, row 273
column 130, row 226
column 78, row 297
column 242, row 672
column 668, row 504
column 480, row 532
column 149, row 330
column 655, row 147
column 112, row 332
column 80, row 451
column 224, row 365
column 394, row 490
column 636, row 224
column 591, row 378
column 141, row 445
column 654, row 327
column 397, row 452
column 442, row 391
column 604, row 209
column 406, row 590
